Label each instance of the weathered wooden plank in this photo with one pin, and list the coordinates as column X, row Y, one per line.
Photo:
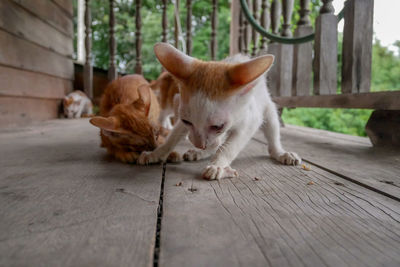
column 64, row 203
column 88, row 67
column 112, row 69
column 325, row 47
column 357, row 46
column 378, row 100
column 302, row 64
column 66, row 6
column 280, row 75
column 21, row 110
column 214, row 26
column 16, row 20
column 234, row 28
column 20, row 83
column 50, row 13
column 351, row 156
column 22, row 54
column 277, row 220
column 138, row 37
column 302, row 54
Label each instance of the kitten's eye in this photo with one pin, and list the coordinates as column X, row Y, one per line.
column 217, row 128
column 187, row 122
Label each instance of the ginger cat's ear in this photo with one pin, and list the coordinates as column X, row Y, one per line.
column 109, row 124
column 144, row 101
column 173, row 60
column 246, row 72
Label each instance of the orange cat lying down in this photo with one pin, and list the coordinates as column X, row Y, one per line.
column 128, row 121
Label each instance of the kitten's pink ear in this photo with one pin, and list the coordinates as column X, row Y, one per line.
column 109, row 124
column 143, row 103
column 174, row 61
column 246, row 72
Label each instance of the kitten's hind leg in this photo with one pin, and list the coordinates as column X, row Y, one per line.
column 271, row 129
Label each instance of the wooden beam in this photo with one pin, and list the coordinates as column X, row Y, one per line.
column 378, row 100
column 138, row 67
column 214, row 25
column 112, row 70
column 88, row 68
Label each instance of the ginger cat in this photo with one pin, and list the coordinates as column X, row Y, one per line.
column 222, row 105
column 168, row 96
column 128, row 119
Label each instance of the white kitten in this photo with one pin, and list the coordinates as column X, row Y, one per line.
column 222, row 105
column 77, row 104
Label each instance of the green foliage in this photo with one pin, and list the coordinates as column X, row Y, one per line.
column 348, row 121
column 385, row 68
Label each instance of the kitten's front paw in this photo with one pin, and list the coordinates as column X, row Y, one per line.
column 289, row 158
column 214, row 172
column 126, row 157
column 148, row 157
column 192, row 155
column 174, row 157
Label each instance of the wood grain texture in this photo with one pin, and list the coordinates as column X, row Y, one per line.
column 64, row 203
column 21, row 83
column 378, row 100
column 325, row 59
column 357, row 46
column 49, row 12
column 22, row 54
column 302, row 63
column 277, row 220
column 16, row 20
column 280, row 75
column 351, row 156
column 18, row 111
column 66, row 6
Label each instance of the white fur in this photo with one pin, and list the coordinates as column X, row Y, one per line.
column 243, row 115
column 81, row 105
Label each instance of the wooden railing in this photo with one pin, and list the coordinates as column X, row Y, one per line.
column 305, row 74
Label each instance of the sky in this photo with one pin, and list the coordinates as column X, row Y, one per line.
column 386, row 20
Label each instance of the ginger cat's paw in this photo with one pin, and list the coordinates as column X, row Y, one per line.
column 214, row 172
column 148, row 157
column 289, row 158
column 126, row 157
column 174, row 157
column 192, row 155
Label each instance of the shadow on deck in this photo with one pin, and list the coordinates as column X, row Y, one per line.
column 65, row 203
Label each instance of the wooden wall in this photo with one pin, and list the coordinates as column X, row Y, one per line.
column 36, row 67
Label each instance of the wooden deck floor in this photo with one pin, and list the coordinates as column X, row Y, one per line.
column 63, row 202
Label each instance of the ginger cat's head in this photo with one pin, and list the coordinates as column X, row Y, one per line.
column 212, row 93
column 127, row 126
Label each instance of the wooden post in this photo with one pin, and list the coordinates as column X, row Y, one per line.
column 254, row 34
column 357, row 46
column 189, row 27
column 247, row 32
column 164, row 22
column 214, row 23
column 80, row 42
column 112, row 70
column 176, row 28
column 138, row 67
column 234, row 29
column 265, row 22
column 325, row 47
column 302, row 56
column 241, row 29
column 88, row 69
column 285, row 53
column 274, row 49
